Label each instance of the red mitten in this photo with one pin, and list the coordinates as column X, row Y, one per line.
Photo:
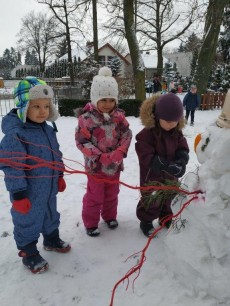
column 105, row 159
column 117, row 156
column 61, row 184
column 22, row 206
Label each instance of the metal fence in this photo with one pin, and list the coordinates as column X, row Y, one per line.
column 6, row 103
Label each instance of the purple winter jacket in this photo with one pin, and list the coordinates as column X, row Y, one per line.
column 153, row 141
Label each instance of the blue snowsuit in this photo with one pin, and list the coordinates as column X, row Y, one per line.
column 40, row 184
column 191, row 102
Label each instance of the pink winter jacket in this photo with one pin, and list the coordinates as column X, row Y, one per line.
column 96, row 134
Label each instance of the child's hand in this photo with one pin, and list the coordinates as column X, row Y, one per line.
column 22, row 206
column 117, row 156
column 159, row 164
column 176, row 169
column 61, row 184
column 105, row 159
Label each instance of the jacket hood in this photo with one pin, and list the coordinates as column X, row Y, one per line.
column 147, row 115
column 11, row 121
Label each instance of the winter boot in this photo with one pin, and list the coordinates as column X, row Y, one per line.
column 93, row 231
column 147, row 228
column 53, row 242
column 32, row 260
column 167, row 223
column 112, row 224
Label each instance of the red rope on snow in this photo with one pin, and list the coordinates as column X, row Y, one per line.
column 138, row 266
column 17, row 163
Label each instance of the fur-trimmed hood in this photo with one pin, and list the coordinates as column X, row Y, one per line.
column 147, row 115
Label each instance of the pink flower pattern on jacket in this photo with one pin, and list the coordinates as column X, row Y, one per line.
column 97, row 134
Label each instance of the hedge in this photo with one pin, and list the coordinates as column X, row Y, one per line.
column 67, row 106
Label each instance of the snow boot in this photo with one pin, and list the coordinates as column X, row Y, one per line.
column 112, row 224
column 147, row 228
column 53, row 242
column 167, row 223
column 31, row 258
column 93, row 231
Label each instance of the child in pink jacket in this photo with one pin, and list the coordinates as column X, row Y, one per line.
column 103, row 136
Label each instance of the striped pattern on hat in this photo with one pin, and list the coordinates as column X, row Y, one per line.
column 32, row 88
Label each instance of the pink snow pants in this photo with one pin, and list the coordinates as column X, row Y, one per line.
column 101, row 199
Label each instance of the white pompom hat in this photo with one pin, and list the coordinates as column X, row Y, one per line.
column 104, row 86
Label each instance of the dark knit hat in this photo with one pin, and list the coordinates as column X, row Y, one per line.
column 169, row 107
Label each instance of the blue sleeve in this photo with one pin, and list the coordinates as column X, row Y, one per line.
column 11, row 149
column 198, row 100
column 185, row 100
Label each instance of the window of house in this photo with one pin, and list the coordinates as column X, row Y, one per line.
column 102, row 60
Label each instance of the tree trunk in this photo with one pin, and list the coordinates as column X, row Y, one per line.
column 137, row 63
column 208, row 49
column 95, row 31
column 69, row 48
column 160, row 66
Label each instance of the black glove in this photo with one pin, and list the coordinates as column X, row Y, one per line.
column 176, row 169
column 159, row 164
column 182, row 156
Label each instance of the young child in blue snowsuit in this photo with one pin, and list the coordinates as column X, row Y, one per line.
column 33, row 191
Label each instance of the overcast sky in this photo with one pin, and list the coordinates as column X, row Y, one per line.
column 11, row 13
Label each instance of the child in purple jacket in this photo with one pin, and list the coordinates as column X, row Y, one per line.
column 103, row 136
column 162, row 152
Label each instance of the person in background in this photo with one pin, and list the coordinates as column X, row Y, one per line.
column 33, row 191
column 164, row 87
column 162, row 151
column 103, row 136
column 173, row 90
column 191, row 103
column 156, row 84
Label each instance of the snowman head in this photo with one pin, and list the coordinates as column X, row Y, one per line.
column 201, row 146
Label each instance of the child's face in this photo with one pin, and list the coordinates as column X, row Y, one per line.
column 167, row 125
column 38, row 110
column 106, row 105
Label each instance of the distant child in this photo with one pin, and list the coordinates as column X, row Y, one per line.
column 164, row 87
column 33, row 191
column 162, row 151
column 156, row 84
column 191, row 102
column 103, row 136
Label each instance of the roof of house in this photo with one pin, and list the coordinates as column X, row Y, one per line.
column 150, row 59
column 79, row 53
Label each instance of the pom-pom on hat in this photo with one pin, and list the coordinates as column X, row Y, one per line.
column 169, row 107
column 103, row 86
column 32, row 88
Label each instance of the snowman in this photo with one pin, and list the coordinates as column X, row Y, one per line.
column 213, row 149
column 207, row 232
column 213, row 179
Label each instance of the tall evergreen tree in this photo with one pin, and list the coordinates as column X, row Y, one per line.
column 115, row 66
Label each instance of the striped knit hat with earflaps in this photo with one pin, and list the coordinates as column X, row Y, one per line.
column 32, row 88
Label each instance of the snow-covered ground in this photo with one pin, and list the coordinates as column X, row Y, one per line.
column 189, row 267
